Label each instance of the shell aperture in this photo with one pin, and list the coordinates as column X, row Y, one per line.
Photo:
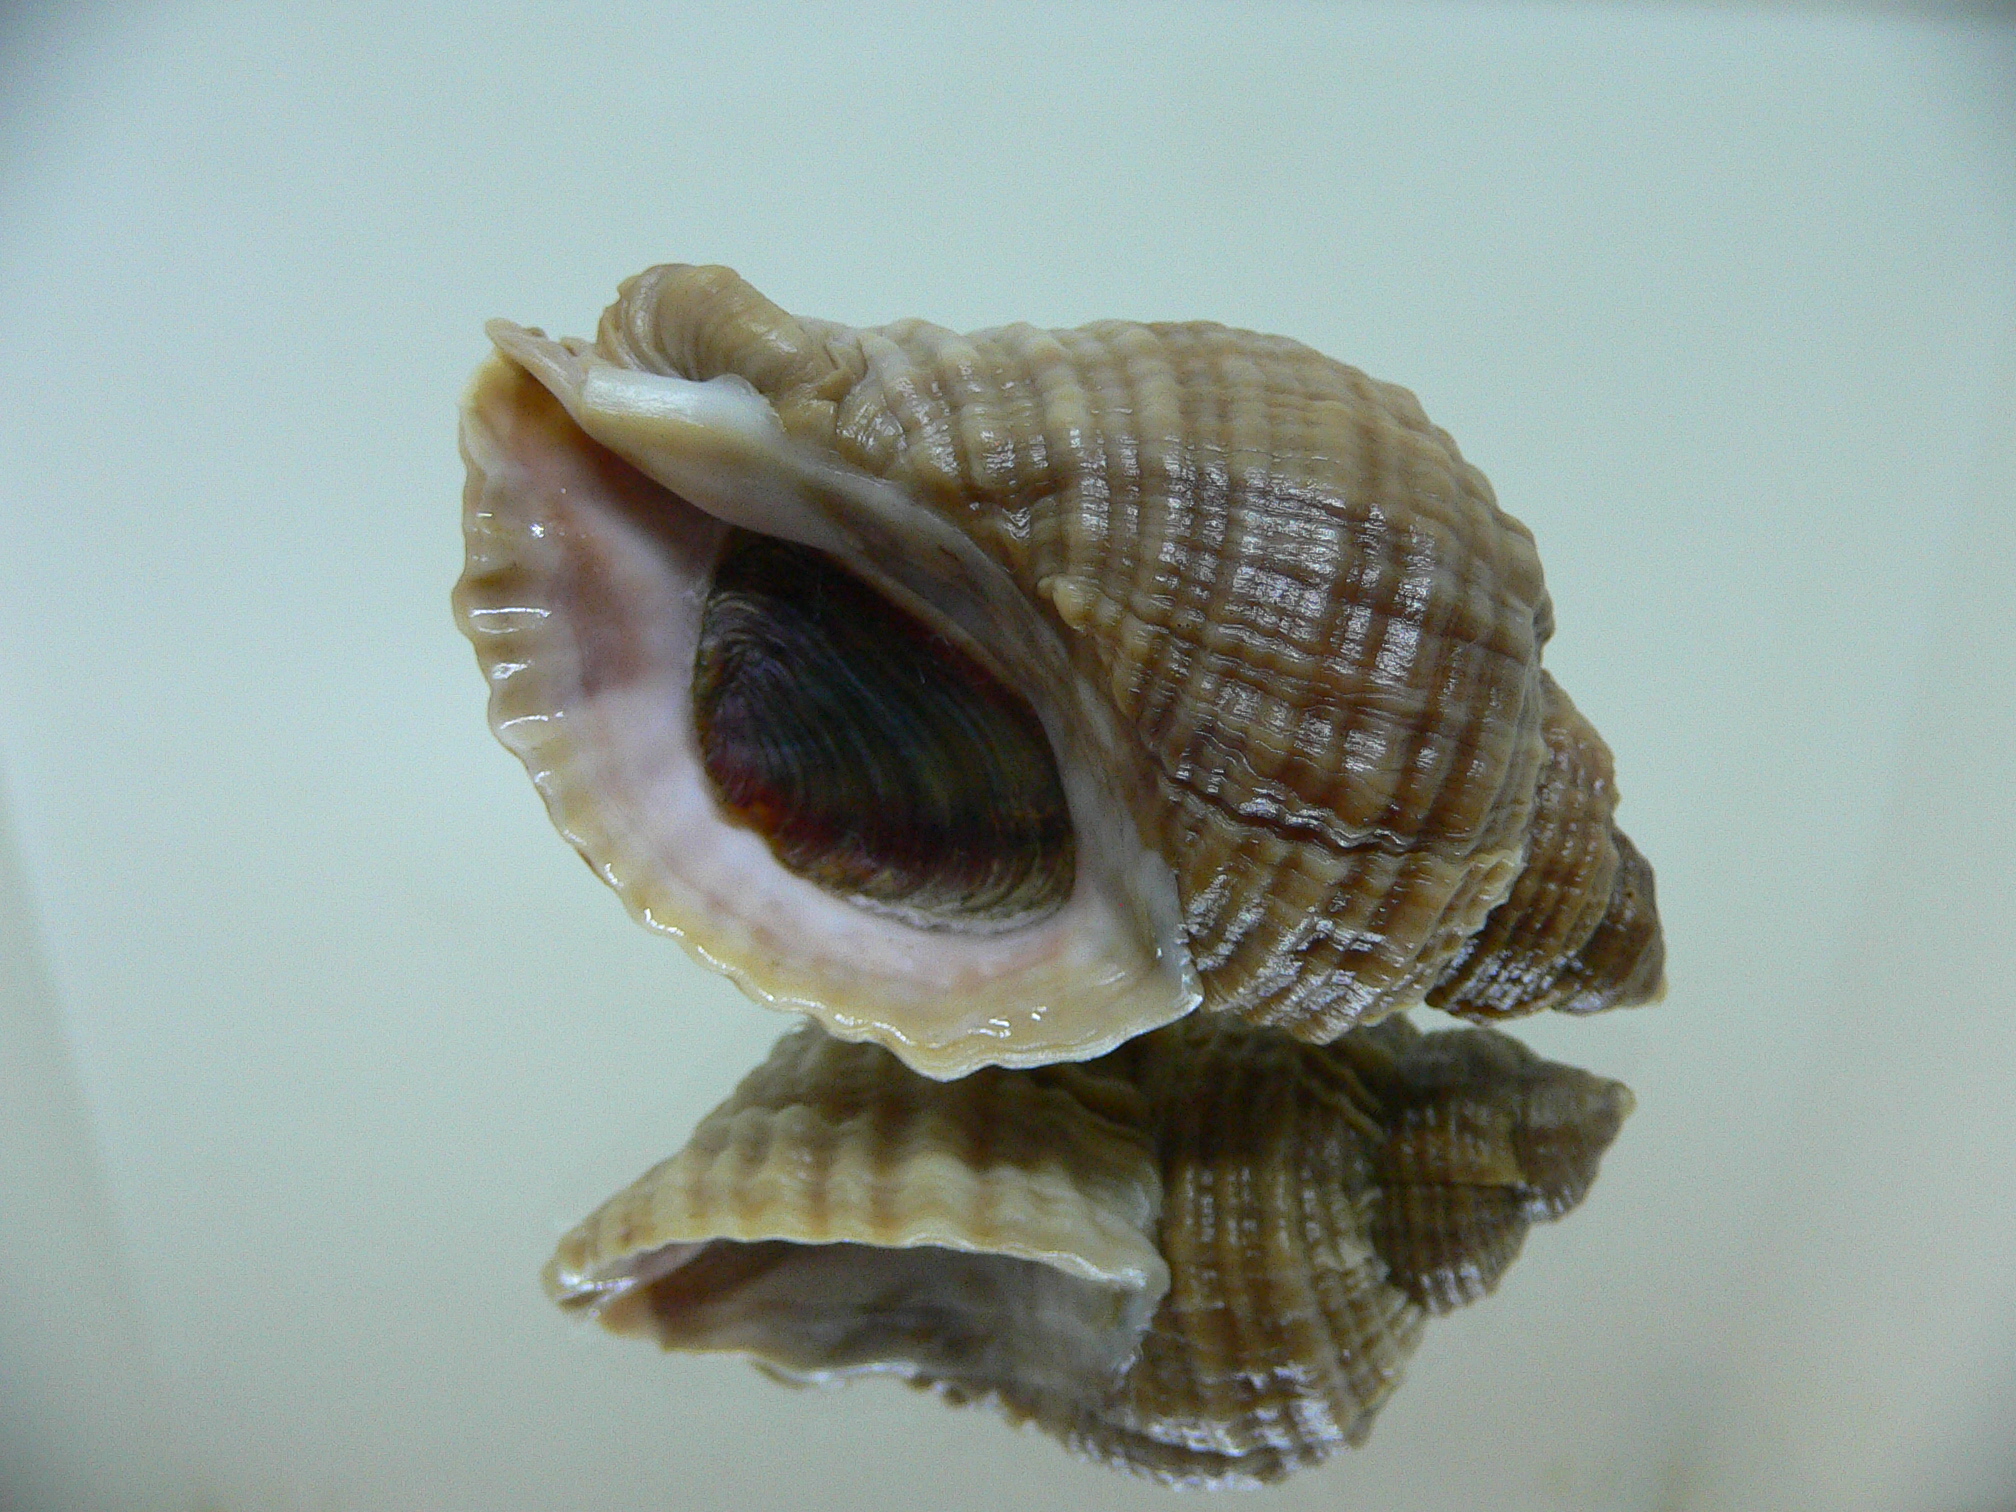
column 878, row 759
column 1278, row 640
column 1205, row 1257
column 586, row 592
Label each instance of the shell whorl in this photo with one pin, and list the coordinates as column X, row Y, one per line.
column 1579, row 932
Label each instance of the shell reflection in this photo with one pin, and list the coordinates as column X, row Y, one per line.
column 1205, row 1257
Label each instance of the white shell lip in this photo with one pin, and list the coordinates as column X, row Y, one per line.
column 586, row 500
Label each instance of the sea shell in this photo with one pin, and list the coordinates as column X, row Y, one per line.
column 1206, row 1257
column 1000, row 697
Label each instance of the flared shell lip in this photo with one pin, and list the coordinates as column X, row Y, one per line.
column 1124, row 1266
column 509, row 618
column 825, row 1143
column 574, row 1280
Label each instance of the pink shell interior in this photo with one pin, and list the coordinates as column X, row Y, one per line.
column 586, row 582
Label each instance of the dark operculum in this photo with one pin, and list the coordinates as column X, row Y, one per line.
column 878, row 759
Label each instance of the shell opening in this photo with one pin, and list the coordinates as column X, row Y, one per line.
column 815, row 1312
column 877, row 759
column 1050, row 931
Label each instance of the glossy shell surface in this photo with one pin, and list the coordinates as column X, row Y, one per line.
column 1281, row 642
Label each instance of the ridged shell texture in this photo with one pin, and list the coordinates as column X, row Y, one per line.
column 1205, row 1258
column 1315, row 637
column 997, row 700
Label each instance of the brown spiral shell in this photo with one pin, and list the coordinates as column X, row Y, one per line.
column 1312, row 638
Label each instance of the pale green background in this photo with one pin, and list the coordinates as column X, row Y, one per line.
column 314, row 1036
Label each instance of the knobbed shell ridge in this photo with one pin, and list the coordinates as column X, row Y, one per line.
column 1205, row 1258
column 1303, row 765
